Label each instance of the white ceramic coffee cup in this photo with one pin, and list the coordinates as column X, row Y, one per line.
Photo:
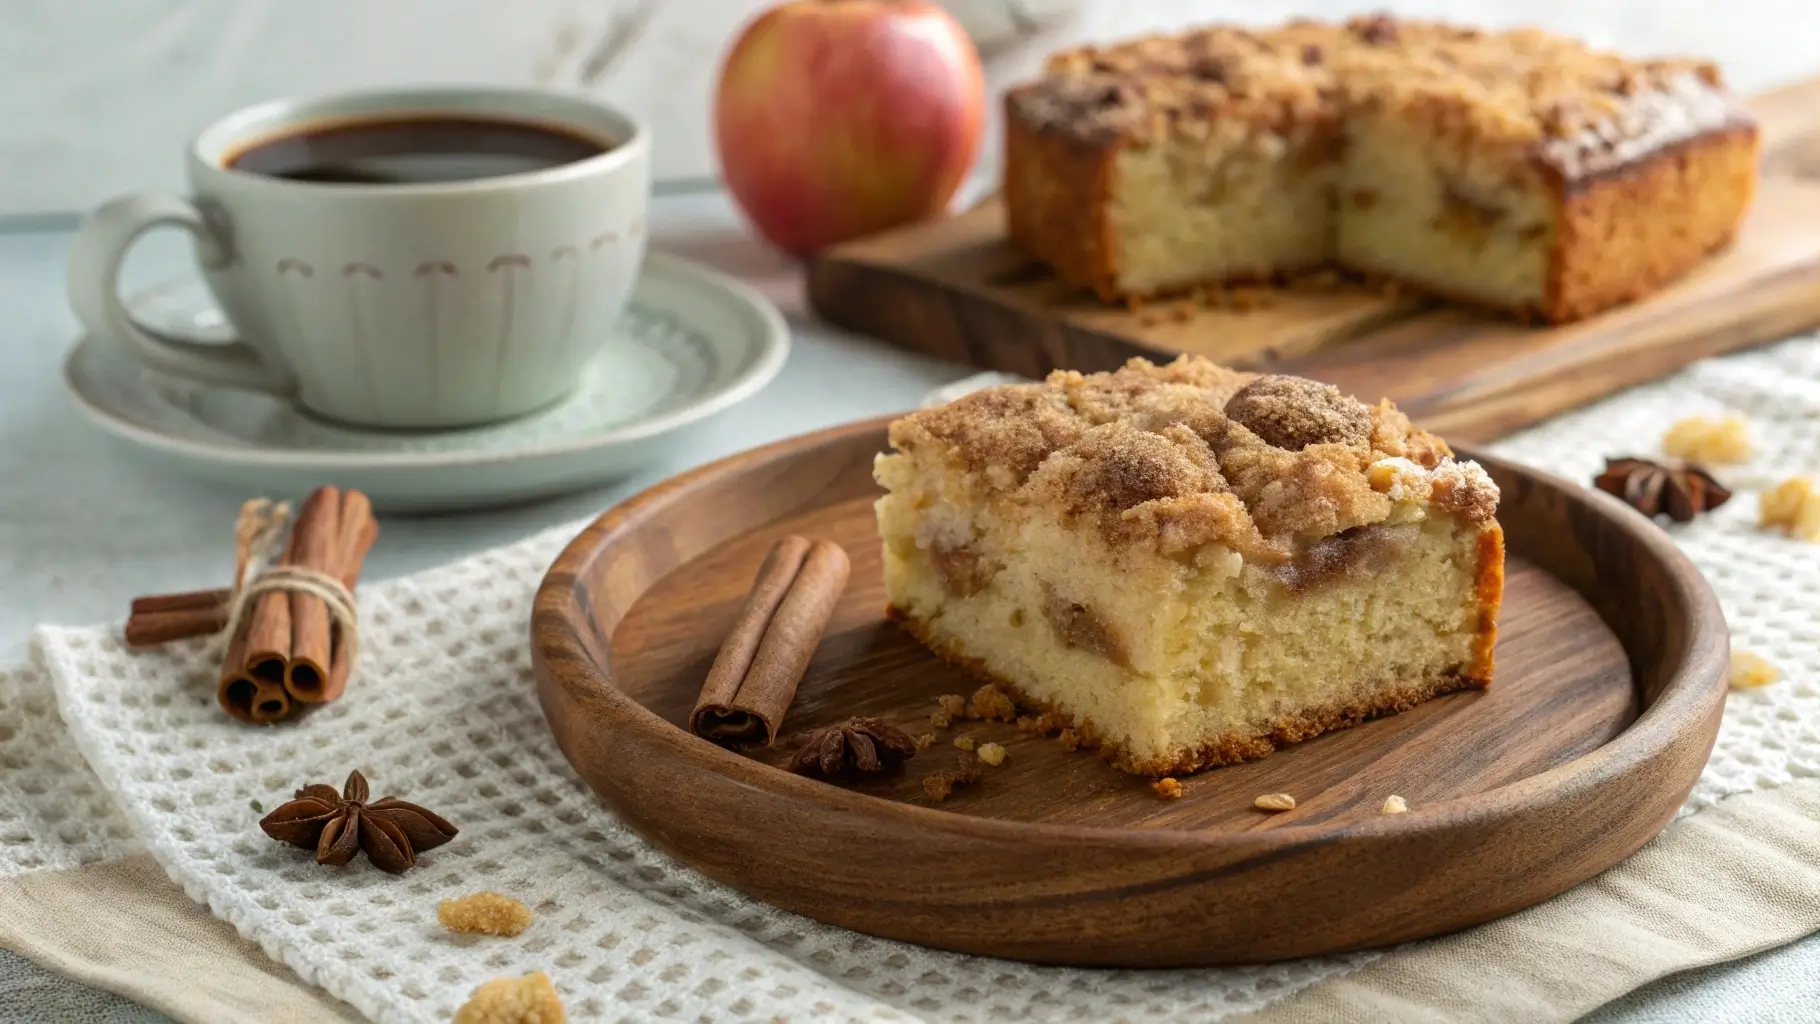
column 418, row 305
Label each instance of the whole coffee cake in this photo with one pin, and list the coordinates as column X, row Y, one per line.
column 1191, row 565
column 1517, row 170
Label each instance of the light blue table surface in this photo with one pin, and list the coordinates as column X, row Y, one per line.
column 84, row 526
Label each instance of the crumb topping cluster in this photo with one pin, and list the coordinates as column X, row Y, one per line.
column 1191, row 453
column 1577, row 107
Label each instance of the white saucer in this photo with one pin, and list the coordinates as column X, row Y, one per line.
column 695, row 343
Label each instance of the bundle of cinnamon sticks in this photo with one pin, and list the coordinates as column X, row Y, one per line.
column 289, row 648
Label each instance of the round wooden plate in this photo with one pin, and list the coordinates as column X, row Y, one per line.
column 1611, row 677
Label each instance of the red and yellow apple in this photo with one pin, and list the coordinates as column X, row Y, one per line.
column 838, row 118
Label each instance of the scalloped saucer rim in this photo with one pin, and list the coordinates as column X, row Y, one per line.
column 766, row 325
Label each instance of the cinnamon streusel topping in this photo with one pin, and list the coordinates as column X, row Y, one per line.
column 1175, row 457
column 1579, row 109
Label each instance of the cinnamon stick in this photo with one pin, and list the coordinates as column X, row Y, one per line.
column 236, row 691
column 313, row 544
column 162, row 618
column 343, row 532
column 760, row 664
column 148, row 629
column 268, row 632
column 189, row 600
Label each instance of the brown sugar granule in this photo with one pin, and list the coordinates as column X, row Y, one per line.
column 1168, row 789
column 1274, row 802
column 531, row 999
column 1750, row 671
column 484, row 913
column 992, row 704
column 1070, row 739
column 964, row 742
column 1702, row 439
column 992, row 754
column 1792, row 505
column 967, row 771
column 925, row 741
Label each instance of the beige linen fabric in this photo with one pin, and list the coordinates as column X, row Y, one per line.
column 1736, row 879
column 1739, row 878
column 123, row 926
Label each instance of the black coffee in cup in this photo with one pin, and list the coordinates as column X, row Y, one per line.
column 401, row 151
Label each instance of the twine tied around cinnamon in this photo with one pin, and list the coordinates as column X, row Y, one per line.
column 257, row 540
column 287, row 629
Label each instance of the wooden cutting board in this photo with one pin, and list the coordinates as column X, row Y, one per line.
column 956, row 289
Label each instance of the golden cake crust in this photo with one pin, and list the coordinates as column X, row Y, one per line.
column 1650, row 163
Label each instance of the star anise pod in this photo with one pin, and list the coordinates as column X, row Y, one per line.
column 866, row 744
column 1680, row 489
column 339, row 825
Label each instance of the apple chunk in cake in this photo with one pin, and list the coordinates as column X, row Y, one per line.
column 1192, row 565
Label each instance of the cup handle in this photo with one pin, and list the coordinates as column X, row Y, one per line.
column 93, row 282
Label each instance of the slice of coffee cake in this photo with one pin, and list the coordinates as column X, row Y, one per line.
column 1193, row 565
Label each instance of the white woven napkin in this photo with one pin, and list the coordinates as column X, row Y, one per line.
column 54, row 812
column 444, row 715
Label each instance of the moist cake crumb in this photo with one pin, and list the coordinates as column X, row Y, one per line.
column 941, row 719
column 954, row 704
column 1070, row 739
column 925, row 741
column 1043, row 724
column 531, row 999
column 964, row 742
column 1274, row 802
column 1394, row 804
column 1793, row 506
column 1704, row 439
column 484, row 913
column 967, row 770
column 1750, row 671
column 992, row 754
column 1167, row 788
column 992, row 704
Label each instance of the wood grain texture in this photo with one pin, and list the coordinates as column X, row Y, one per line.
column 1611, row 681
column 955, row 288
